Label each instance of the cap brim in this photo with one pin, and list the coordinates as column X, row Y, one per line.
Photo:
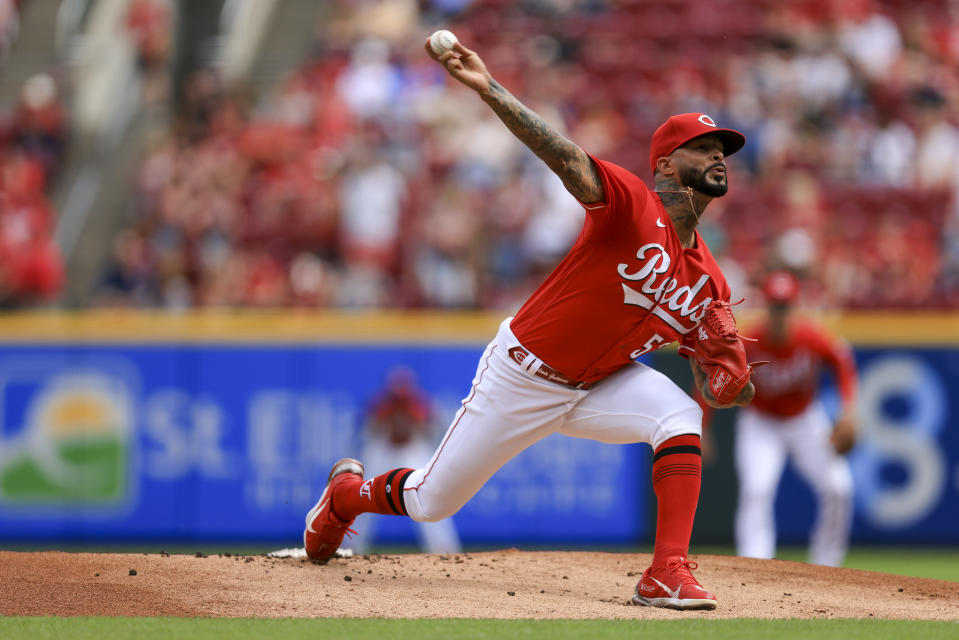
column 733, row 141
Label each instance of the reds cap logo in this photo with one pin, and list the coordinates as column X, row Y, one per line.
column 706, row 120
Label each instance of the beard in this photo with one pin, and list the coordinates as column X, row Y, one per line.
column 698, row 181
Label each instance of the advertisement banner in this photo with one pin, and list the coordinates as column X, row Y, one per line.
column 185, row 441
column 906, row 463
column 233, row 442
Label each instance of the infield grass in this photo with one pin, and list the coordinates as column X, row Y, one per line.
column 378, row 629
column 938, row 563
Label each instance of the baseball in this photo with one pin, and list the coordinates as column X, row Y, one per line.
column 442, row 41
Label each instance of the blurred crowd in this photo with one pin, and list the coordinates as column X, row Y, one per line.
column 370, row 179
column 33, row 137
column 9, row 25
column 32, row 141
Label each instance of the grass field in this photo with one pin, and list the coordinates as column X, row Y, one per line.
column 940, row 564
column 240, row 629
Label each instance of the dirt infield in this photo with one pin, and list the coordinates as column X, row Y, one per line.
column 499, row 584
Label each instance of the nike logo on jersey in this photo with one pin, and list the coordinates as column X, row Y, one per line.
column 659, row 223
column 672, row 594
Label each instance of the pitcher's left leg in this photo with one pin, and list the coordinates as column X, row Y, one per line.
column 639, row 404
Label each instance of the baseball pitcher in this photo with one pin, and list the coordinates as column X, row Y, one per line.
column 638, row 277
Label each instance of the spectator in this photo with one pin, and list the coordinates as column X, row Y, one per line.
column 363, row 159
column 31, row 270
column 40, row 123
column 149, row 26
column 9, row 25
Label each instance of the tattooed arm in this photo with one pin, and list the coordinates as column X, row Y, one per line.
column 574, row 167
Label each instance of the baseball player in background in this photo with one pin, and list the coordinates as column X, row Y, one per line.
column 638, row 277
column 398, row 430
column 786, row 420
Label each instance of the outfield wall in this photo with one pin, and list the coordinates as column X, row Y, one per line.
column 222, row 426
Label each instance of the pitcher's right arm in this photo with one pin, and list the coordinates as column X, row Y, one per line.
column 573, row 166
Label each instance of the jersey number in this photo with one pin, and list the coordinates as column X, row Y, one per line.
column 652, row 343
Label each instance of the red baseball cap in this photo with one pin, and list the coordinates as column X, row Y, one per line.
column 682, row 128
column 781, row 287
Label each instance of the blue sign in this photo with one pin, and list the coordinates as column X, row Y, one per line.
column 190, row 442
column 906, row 463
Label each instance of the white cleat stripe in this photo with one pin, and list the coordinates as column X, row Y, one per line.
column 672, row 594
column 315, row 511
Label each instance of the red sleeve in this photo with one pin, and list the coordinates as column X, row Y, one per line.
column 625, row 195
column 837, row 353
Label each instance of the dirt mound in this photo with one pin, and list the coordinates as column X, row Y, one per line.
column 499, row 584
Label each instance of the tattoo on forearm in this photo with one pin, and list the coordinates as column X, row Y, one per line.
column 567, row 160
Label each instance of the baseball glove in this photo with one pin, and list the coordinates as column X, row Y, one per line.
column 720, row 353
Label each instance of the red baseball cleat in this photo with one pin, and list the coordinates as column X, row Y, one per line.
column 324, row 531
column 673, row 586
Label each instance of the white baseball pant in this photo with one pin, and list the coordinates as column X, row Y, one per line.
column 509, row 408
column 763, row 443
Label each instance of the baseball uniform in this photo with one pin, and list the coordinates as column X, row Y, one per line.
column 626, row 287
column 785, row 420
column 566, row 364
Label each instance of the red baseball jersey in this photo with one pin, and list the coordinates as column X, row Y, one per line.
column 627, row 287
column 787, row 385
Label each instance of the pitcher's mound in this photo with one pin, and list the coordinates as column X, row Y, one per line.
column 498, row 584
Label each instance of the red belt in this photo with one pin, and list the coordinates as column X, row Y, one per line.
column 519, row 355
